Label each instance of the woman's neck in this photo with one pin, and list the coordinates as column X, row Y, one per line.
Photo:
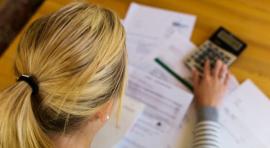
column 81, row 138
column 74, row 141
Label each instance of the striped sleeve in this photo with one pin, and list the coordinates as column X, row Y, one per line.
column 207, row 130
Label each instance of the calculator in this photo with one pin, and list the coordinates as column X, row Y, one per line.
column 221, row 45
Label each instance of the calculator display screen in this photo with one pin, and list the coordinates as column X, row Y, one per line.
column 230, row 40
column 226, row 40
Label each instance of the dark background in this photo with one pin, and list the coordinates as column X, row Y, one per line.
column 14, row 14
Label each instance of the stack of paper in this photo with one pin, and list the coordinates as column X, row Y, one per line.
column 165, row 107
column 150, row 31
column 168, row 117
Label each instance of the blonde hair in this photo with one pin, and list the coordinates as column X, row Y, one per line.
column 78, row 58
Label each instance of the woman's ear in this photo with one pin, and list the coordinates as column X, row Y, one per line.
column 105, row 112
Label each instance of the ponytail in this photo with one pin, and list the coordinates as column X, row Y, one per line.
column 19, row 127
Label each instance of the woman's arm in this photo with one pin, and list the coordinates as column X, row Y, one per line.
column 209, row 90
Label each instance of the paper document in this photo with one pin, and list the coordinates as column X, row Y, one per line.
column 175, row 51
column 112, row 133
column 147, row 27
column 174, row 48
column 165, row 108
column 245, row 116
column 155, row 22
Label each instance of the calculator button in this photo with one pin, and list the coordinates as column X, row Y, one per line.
column 221, row 55
column 199, row 68
column 212, row 63
column 227, row 58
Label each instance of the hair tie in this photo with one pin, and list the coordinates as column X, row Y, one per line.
column 30, row 80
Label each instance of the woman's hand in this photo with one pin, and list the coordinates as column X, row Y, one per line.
column 209, row 89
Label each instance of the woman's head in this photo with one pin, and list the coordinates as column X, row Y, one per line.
column 77, row 56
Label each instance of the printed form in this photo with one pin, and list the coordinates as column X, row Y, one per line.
column 147, row 27
column 149, row 30
column 155, row 22
column 165, row 108
column 245, row 118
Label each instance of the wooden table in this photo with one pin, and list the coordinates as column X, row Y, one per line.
column 248, row 19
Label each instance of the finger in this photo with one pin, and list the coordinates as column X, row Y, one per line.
column 223, row 72
column 206, row 70
column 195, row 77
column 218, row 69
column 227, row 78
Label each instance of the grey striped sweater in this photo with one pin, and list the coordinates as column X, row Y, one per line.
column 207, row 130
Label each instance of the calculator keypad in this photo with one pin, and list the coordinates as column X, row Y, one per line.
column 210, row 51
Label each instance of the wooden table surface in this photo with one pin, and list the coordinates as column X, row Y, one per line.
column 248, row 19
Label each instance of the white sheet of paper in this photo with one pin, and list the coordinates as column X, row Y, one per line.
column 245, row 117
column 175, row 51
column 145, row 60
column 155, row 22
column 166, row 105
column 147, row 27
column 112, row 133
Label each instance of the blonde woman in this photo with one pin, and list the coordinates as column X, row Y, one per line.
column 71, row 67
